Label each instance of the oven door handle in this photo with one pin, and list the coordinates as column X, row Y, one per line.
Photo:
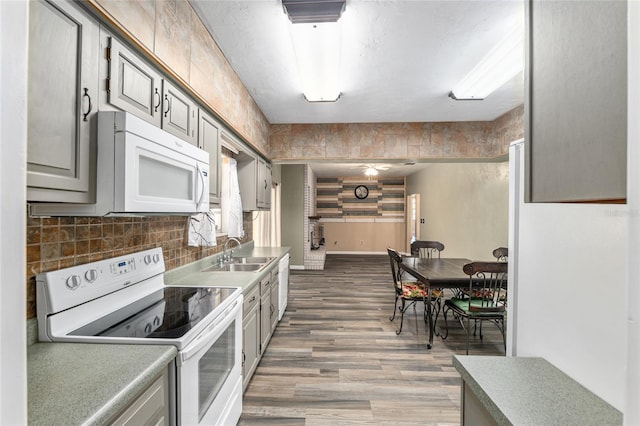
column 205, row 338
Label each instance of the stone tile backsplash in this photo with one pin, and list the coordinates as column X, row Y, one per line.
column 61, row 242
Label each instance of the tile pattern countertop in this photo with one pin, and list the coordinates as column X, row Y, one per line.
column 77, row 383
column 531, row 391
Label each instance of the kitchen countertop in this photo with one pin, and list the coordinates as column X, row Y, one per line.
column 87, row 383
column 191, row 275
column 531, row 391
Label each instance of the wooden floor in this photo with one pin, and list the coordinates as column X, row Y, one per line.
column 335, row 357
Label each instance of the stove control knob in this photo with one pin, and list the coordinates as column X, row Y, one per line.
column 73, row 282
column 147, row 259
column 156, row 258
column 91, row 275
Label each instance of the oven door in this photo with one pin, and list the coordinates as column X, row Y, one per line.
column 149, row 177
column 210, row 373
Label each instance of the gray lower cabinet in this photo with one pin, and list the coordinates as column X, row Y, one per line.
column 260, row 319
column 265, row 313
column 150, row 408
column 274, row 296
column 62, row 100
column 251, row 335
column 134, row 86
column 209, row 140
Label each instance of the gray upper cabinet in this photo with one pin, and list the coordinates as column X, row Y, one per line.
column 575, row 108
column 179, row 113
column 132, row 85
column 62, row 100
column 209, row 140
column 136, row 87
column 254, row 177
column 264, row 184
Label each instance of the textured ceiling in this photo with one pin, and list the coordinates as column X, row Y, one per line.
column 400, row 58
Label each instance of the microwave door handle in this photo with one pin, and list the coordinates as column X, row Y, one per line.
column 201, row 176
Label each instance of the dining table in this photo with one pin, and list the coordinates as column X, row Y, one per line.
column 440, row 273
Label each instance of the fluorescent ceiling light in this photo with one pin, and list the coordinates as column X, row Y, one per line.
column 317, row 49
column 502, row 63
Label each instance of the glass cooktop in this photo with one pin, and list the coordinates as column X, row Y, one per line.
column 168, row 313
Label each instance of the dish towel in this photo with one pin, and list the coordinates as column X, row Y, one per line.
column 231, row 206
column 202, row 230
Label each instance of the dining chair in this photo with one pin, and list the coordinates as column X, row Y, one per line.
column 501, row 254
column 406, row 289
column 485, row 299
column 426, row 249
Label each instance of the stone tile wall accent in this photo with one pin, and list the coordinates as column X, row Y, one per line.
column 382, row 141
column 61, row 242
column 336, row 198
column 173, row 34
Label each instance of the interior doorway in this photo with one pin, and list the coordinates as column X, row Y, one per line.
column 413, row 220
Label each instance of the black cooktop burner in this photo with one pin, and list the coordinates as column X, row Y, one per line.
column 168, row 313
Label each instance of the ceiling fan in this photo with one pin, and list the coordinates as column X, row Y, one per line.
column 373, row 169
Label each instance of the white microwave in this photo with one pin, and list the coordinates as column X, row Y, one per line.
column 141, row 170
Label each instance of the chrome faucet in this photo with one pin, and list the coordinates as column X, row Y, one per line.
column 224, row 249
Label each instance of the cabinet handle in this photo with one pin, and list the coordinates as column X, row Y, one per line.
column 86, row 93
column 166, row 111
column 252, row 299
column 265, row 184
column 159, row 101
column 244, row 358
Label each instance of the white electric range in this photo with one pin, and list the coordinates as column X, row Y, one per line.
column 123, row 300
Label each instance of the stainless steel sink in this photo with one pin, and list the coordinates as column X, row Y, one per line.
column 259, row 260
column 235, row 267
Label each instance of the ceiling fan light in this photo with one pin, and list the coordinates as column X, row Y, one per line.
column 370, row 171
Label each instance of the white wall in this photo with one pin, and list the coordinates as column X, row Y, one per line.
column 13, row 49
column 632, row 371
column 570, row 285
column 465, row 206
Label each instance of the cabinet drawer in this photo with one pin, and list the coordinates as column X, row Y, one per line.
column 264, row 285
column 250, row 300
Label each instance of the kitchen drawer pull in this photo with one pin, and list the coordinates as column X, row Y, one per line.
column 253, row 299
column 159, row 100
column 86, row 93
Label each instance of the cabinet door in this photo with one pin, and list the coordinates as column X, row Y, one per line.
column 179, row 113
column 263, row 184
column 209, row 140
column 274, row 302
column 251, row 344
column 576, row 101
column 132, row 85
column 150, row 408
column 62, row 99
column 265, row 314
column 247, row 179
